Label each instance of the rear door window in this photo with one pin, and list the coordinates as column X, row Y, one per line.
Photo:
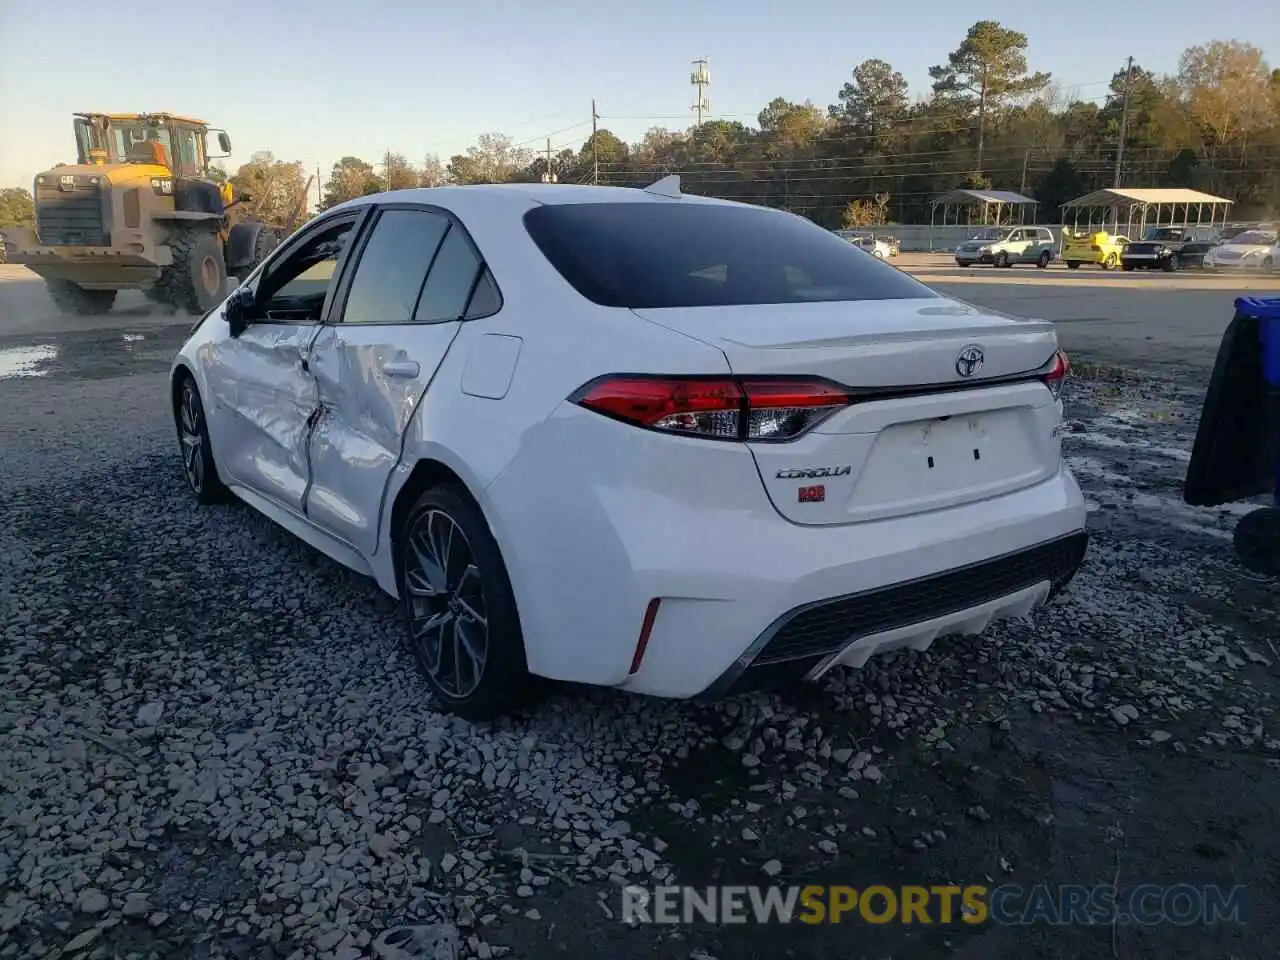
column 652, row 255
column 393, row 267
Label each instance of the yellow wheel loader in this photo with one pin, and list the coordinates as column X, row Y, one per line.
column 139, row 211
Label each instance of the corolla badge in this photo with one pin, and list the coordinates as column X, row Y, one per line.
column 814, row 473
column 969, row 361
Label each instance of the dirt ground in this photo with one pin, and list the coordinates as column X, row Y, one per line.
column 154, row 652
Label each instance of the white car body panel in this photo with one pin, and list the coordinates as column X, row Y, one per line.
column 1242, row 256
column 594, row 517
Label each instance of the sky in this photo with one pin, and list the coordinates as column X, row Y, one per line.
column 314, row 82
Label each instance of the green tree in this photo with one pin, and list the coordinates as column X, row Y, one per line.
column 874, row 100
column 985, row 73
column 17, row 209
column 350, row 177
column 432, row 172
column 494, row 159
column 1227, row 85
column 398, row 173
column 272, row 186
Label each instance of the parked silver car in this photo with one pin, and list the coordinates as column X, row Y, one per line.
column 1005, row 246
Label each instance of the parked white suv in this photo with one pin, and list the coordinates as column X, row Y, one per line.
column 575, row 449
column 1005, row 246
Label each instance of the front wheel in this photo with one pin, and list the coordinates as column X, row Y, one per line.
column 193, row 440
column 1043, row 260
column 1170, row 265
column 196, row 281
column 1109, row 261
column 463, row 626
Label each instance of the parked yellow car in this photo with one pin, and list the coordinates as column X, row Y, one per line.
column 1102, row 248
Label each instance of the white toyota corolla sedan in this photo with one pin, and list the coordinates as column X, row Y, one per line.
column 634, row 438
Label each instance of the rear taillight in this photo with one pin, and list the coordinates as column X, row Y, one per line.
column 716, row 408
column 1056, row 373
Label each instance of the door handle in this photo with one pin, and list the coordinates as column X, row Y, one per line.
column 401, row 368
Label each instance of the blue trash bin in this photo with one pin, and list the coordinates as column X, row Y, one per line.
column 1237, row 449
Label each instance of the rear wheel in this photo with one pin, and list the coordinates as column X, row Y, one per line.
column 1268, row 263
column 1257, row 541
column 263, row 244
column 69, row 297
column 1073, row 264
column 196, row 280
column 1109, row 261
column 1170, row 264
column 463, row 626
column 1002, row 260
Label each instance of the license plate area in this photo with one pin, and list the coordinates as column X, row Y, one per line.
column 929, row 464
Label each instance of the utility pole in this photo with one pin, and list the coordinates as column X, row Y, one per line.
column 319, row 189
column 548, row 176
column 595, row 145
column 701, row 78
column 1124, row 120
column 1026, row 155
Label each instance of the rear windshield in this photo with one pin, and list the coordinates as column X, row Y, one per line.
column 655, row 255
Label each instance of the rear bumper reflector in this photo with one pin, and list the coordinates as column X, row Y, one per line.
column 646, row 628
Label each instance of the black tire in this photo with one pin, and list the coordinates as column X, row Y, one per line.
column 1042, row 261
column 1268, row 264
column 198, row 468
column 1126, row 267
column 470, row 587
column 1073, row 264
column 1257, row 541
column 196, row 281
column 1170, row 264
column 266, row 241
column 72, row 298
column 1002, row 260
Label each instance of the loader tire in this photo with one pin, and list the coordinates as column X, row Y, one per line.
column 69, row 297
column 263, row 244
column 196, row 280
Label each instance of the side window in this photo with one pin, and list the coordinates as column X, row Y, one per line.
column 393, row 266
column 485, row 299
column 296, row 288
column 188, row 154
column 1046, row 236
column 453, row 275
column 1018, row 236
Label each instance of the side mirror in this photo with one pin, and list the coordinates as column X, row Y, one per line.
column 238, row 311
column 224, row 141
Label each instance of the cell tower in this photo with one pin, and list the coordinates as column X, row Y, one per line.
column 701, row 78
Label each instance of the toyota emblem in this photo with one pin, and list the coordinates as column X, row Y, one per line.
column 969, row 361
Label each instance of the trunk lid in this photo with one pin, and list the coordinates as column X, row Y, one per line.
column 925, row 436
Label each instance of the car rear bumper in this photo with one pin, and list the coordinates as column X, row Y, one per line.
column 697, row 533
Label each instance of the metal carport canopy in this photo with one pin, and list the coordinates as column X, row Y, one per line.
column 985, row 200
column 1138, row 202
column 1119, row 197
column 958, row 197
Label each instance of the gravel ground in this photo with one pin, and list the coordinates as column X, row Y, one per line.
column 213, row 746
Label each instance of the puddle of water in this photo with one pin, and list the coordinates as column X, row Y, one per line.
column 25, row 361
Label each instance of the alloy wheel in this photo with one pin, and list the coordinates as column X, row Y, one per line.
column 448, row 619
column 191, row 434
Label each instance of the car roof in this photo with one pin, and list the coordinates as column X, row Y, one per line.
column 519, row 197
